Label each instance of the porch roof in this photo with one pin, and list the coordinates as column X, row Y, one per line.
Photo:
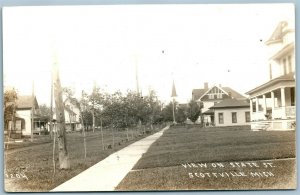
column 208, row 112
column 231, row 103
column 287, row 77
column 283, row 51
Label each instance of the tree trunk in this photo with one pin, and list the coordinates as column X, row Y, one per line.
column 127, row 133
column 93, row 113
column 84, row 144
column 12, row 122
column 64, row 162
column 51, row 108
column 102, row 133
column 113, row 135
column 83, row 130
column 53, row 155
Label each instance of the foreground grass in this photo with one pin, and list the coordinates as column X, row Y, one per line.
column 29, row 167
column 161, row 167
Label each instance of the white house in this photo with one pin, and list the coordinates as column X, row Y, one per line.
column 232, row 112
column 25, row 106
column 273, row 104
column 72, row 115
column 209, row 97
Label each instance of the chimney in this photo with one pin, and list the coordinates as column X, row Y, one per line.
column 220, row 85
column 206, row 85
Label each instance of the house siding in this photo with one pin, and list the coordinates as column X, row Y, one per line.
column 26, row 115
column 227, row 116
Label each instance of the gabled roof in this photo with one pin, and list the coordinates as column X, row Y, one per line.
column 26, row 101
column 67, row 108
column 233, row 93
column 278, row 33
column 211, row 89
column 198, row 93
column 231, row 103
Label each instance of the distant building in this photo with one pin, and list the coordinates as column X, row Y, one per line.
column 273, row 104
column 72, row 115
column 209, row 97
column 25, row 106
column 231, row 112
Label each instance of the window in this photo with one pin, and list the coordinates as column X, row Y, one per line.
column 284, row 66
column 260, row 104
column 247, row 116
column 253, row 105
column 293, row 96
column 234, row 119
column 211, row 96
column 290, row 64
column 219, row 95
column 221, row 118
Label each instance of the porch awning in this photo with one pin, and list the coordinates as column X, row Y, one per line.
column 284, row 78
column 208, row 112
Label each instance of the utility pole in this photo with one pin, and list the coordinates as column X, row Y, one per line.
column 51, row 107
column 93, row 104
column 32, row 112
column 63, row 157
column 137, row 87
column 136, row 76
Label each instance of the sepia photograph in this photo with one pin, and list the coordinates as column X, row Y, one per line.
column 149, row 97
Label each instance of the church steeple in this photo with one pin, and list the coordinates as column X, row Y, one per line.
column 174, row 94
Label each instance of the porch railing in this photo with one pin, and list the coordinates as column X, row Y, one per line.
column 290, row 111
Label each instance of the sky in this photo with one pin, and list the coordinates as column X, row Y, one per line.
column 108, row 44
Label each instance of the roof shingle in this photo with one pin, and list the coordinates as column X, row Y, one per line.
column 26, row 101
column 231, row 103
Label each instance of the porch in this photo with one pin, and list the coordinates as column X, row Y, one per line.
column 274, row 109
column 275, row 104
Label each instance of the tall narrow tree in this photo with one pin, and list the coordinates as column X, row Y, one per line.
column 64, row 162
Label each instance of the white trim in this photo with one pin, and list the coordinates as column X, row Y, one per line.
column 211, row 89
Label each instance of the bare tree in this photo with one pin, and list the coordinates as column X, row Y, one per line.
column 64, row 162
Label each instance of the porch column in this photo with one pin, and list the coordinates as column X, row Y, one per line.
column 264, row 104
column 251, row 106
column 256, row 104
column 283, row 102
column 273, row 103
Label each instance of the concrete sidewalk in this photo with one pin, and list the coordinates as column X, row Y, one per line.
column 108, row 173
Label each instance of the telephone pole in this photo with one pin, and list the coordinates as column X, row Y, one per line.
column 32, row 112
column 136, row 76
column 93, row 105
column 51, row 107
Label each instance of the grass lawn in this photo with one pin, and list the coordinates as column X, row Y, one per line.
column 29, row 167
column 161, row 168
